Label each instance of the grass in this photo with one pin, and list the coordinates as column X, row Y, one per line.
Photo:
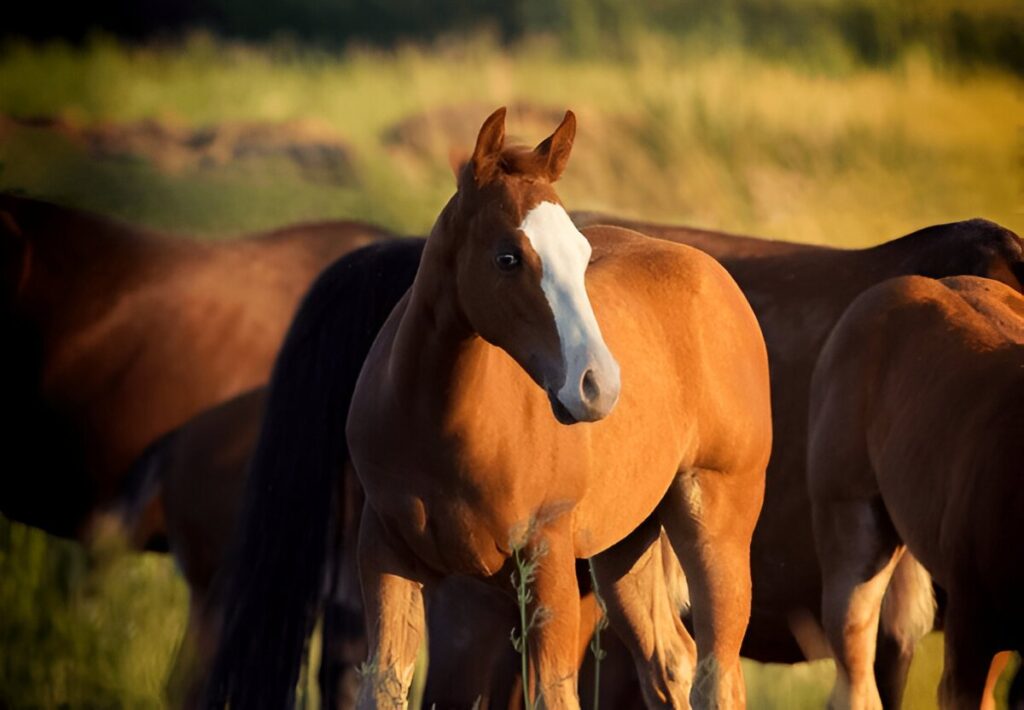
column 838, row 152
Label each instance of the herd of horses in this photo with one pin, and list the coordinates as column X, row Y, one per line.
column 759, row 448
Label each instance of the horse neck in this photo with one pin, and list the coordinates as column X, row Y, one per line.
column 433, row 336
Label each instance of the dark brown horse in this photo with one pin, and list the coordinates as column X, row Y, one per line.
column 798, row 293
column 187, row 487
column 113, row 336
column 917, row 443
column 497, row 308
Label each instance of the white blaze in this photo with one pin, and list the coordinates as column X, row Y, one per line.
column 564, row 254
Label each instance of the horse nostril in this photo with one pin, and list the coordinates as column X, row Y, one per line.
column 590, row 388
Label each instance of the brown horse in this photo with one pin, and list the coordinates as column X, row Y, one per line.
column 185, row 491
column 917, row 404
column 114, row 336
column 798, row 292
column 460, row 433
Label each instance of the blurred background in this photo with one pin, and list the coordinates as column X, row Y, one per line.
column 843, row 122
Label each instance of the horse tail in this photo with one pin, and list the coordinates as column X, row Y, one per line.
column 271, row 591
column 908, row 608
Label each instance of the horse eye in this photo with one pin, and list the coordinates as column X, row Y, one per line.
column 507, row 261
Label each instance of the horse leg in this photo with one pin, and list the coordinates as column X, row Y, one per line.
column 968, row 652
column 709, row 517
column 553, row 640
column 470, row 653
column 908, row 613
column 631, row 579
column 395, row 622
column 344, row 638
column 191, row 666
column 343, row 644
column 859, row 551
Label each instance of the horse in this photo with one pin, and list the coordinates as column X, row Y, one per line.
column 799, row 292
column 491, row 422
column 183, row 494
column 116, row 335
column 915, row 444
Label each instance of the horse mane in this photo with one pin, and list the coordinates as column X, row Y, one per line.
column 291, row 491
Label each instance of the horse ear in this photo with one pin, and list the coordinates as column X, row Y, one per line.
column 553, row 152
column 488, row 146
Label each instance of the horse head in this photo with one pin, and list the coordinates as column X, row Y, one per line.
column 518, row 265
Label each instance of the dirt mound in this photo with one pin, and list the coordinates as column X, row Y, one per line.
column 315, row 149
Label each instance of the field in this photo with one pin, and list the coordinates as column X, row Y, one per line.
column 175, row 136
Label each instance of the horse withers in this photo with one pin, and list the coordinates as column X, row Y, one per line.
column 539, row 390
column 916, row 445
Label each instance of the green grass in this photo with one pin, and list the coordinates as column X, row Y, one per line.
column 842, row 153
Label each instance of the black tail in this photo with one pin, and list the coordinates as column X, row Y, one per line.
column 271, row 595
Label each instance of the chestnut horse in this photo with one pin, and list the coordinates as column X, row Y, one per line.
column 483, row 423
column 916, row 412
column 798, row 292
column 113, row 336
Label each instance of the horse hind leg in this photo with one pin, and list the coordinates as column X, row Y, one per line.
column 709, row 517
column 969, row 649
column 635, row 583
column 859, row 551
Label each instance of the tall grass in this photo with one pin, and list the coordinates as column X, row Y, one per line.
column 844, row 152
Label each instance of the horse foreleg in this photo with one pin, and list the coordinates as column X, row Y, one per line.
column 631, row 580
column 395, row 622
column 859, row 551
column 555, row 607
column 709, row 517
